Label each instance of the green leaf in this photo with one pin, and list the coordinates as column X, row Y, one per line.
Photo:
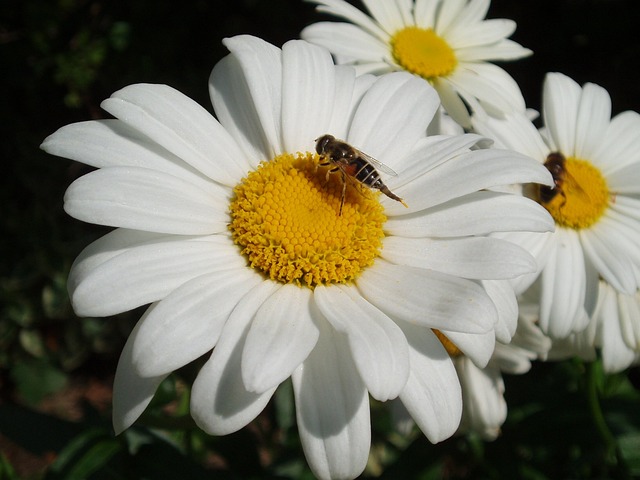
column 36, row 379
column 629, row 445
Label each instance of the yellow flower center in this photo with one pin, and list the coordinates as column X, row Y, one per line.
column 423, row 52
column 580, row 197
column 285, row 219
column 448, row 345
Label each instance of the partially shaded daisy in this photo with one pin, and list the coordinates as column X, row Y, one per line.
column 614, row 331
column 595, row 160
column 448, row 43
column 231, row 230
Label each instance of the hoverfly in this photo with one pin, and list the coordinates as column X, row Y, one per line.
column 353, row 165
column 555, row 164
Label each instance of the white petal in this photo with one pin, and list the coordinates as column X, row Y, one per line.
column 625, row 180
column 468, row 173
column 428, row 298
column 515, row 132
column 308, row 76
column 616, row 354
column 494, row 88
column 505, row 300
column 432, row 395
column 609, row 255
column 146, row 273
column 485, row 408
column 489, row 33
column 478, row 213
column 620, row 144
column 388, row 14
column 378, row 346
column 348, row 40
column 144, row 199
column 477, row 347
column 471, row 257
column 281, row 336
column 561, row 99
column 131, row 391
column 342, row 9
column 630, row 319
column 594, row 114
column 332, row 410
column 452, row 102
column 231, row 99
column 386, row 124
column 220, row 403
column 112, row 143
column 261, row 86
column 563, row 287
column 183, row 127
column 188, row 322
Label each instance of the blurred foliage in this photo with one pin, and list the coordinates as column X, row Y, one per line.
column 60, row 58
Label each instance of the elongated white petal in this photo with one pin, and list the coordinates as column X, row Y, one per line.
column 612, row 262
column 188, row 322
column 332, row 409
column 220, row 403
column 494, row 88
column 308, row 77
column 616, row 354
column 504, row 298
column 514, row 132
column 563, row 287
column 471, row 257
column 477, row 213
column 428, row 298
column 620, row 145
column 378, row 346
column 281, row 337
column 261, row 66
column 432, row 394
column 388, row 14
column 561, row 97
column 342, row 9
column 468, row 173
column 477, row 347
column 386, row 124
column 131, row 391
column 346, row 39
column 112, row 143
column 594, row 114
column 144, row 199
column 147, row 273
column 183, row 127
column 487, row 33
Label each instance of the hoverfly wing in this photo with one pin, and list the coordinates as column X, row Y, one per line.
column 377, row 164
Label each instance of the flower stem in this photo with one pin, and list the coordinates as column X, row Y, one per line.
column 611, row 446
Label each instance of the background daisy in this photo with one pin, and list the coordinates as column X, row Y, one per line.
column 448, row 43
column 594, row 203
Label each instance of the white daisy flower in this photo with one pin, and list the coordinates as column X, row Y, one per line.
column 614, row 330
column 234, row 232
column 595, row 160
column 448, row 43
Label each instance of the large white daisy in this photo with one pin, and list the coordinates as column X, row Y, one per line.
column 230, row 229
column 595, row 205
column 448, row 43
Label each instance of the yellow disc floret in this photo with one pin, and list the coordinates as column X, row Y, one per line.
column 581, row 195
column 284, row 217
column 423, row 52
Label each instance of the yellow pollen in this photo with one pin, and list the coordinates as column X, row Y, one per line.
column 423, row 52
column 581, row 195
column 284, row 217
column 448, row 345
